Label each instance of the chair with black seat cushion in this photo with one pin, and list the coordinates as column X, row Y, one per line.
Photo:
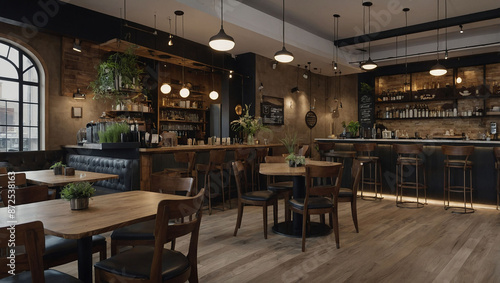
column 350, row 194
column 58, row 250
column 281, row 188
column 319, row 199
column 142, row 234
column 216, row 163
column 258, row 198
column 155, row 263
column 244, row 155
column 260, row 157
column 29, row 263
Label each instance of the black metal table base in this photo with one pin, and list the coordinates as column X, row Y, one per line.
column 316, row 230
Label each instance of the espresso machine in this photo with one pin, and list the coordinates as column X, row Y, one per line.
column 493, row 130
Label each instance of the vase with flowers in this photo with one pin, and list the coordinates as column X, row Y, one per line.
column 249, row 125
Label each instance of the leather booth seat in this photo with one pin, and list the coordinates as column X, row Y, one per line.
column 126, row 169
column 30, row 160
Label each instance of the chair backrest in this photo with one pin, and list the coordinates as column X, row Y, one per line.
column 217, row 158
column 242, row 154
column 408, row 150
column 462, row 152
column 186, row 157
column 325, row 146
column 275, row 159
column 31, row 236
column 17, row 179
column 364, row 149
column 171, row 210
column 496, row 151
column 356, row 170
column 163, row 183
column 303, row 150
column 331, row 190
column 26, row 195
column 3, row 170
column 260, row 154
column 239, row 176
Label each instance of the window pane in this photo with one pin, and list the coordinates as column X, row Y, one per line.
column 9, row 90
column 3, row 139
column 12, row 113
column 30, row 94
column 30, row 138
column 31, row 75
column 3, row 49
column 30, row 115
column 7, row 70
column 14, row 56
column 12, row 139
column 26, row 62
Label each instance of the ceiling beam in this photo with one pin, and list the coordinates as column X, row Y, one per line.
column 443, row 23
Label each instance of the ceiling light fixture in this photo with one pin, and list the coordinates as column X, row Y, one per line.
column 305, row 75
column 446, row 30
column 170, row 36
column 368, row 65
column 184, row 90
column 221, row 41
column 438, row 69
column 335, row 37
column 406, row 83
column 283, row 56
column 76, row 45
column 213, row 94
column 296, row 89
column 165, row 88
column 461, row 28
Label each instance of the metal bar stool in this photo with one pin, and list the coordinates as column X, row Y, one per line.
column 373, row 166
column 496, row 151
column 408, row 157
column 457, row 158
column 327, row 152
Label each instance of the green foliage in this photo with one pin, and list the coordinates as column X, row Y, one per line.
column 353, row 127
column 297, row 159
column 366, row 88
column 77, row 190
column 289, row 141
column 57, row 164
column 119, row 66
column 248, row 124
column 113, row 132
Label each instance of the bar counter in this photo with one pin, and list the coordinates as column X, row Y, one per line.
column 153, row 159
column 484, row 172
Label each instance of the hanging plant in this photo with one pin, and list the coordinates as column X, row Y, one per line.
column 117, row 76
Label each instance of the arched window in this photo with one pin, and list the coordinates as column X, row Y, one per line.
column 20, row 99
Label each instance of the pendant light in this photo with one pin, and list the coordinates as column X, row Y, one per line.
column 170, row 36
column 283, row 56
column 335, row 38
column 406, row 83
column 368, row 65
column 296, row 89
column 221, row 41
column 213, row 94
column 165, row 88
column 184, row 90
column 438, row 69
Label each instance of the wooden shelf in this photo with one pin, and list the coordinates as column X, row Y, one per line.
column 182, row 108
column 182, row 121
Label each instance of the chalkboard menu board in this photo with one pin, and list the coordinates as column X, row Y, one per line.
column 271, row 110
column 366, row 110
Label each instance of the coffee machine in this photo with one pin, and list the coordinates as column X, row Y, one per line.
column 493, row 130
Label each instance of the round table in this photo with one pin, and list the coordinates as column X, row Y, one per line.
column 294, row 229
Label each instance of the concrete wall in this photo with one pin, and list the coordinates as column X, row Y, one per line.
column 60, row 128
column 279, row 82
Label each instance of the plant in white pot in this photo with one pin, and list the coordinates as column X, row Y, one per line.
column 78, row 194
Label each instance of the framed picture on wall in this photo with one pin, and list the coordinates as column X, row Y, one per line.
column 272, row 110
column 76, row 112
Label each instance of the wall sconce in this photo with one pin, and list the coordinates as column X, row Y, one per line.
column 275, row 64
column 238, row 109
column 76, row 45
column 231, row 74
column 290, row 104
column 78, row 95
column 461, row 28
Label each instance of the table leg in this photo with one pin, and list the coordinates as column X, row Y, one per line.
column 85, row 259
column 146, row 169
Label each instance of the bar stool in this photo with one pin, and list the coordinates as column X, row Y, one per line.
column 373, row 165
column 457, row 157
column 408, row 156
column 326, row 153
column 496, row 151
column 215, row 164
column 187, row 158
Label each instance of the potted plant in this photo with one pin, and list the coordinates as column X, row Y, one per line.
column 249, row 125
column 114, row 133
column 353, row 128
column 78, row 194
column 295, row 160
column 289, row 141
column 58, row 168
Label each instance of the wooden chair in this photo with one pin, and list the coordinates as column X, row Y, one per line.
column 258, row 198
column 58, row 251
column 187, row 158
column 260, row 157
column 496, row 151
column 319, row 199
column 30, row 235
column 3, row 170
column 243, row 155
column 281, row 188
column 303, row 150
column 155, row 263
column 142, row 234
column 215, row 164
column 17, row 180
column 350, row 194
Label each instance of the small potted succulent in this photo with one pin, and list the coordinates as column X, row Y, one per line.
column 78, row 194
column 58, row 168
column 353, row 128
column 295, row 160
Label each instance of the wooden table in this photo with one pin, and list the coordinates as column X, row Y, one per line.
column 48, row 178
column 294, row 229
column 105, row 213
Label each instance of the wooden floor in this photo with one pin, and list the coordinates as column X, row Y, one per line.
column 393, row 245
